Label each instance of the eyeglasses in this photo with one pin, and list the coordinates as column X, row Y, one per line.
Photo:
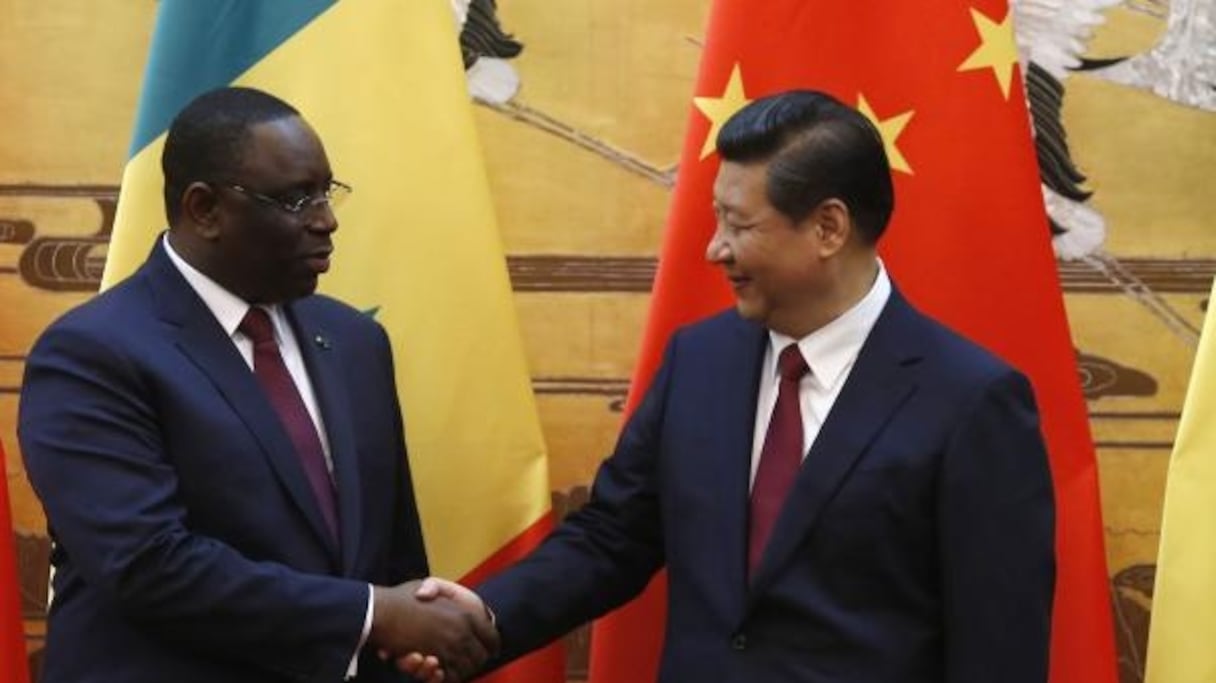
column 333, row 195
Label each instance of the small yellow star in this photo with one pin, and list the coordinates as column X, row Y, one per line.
column 719, row 109
column 997, row 50
column 890, row 130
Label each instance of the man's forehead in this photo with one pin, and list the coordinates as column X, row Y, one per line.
column 282, row 144
column 278, row 133
column 735, row 180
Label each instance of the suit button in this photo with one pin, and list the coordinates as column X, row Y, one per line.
column 739, row 641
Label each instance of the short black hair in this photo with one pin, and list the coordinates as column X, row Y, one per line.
column 207, row 138
column 817, row 148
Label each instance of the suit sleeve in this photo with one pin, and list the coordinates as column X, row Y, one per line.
column 600, row 556
column 407, row 558
column 96, row 457
column 997, row 521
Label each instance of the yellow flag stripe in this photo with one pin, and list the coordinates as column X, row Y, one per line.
column 1184, row 617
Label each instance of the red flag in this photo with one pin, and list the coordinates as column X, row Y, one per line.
column 968, row 244
column 12, row 632
column 548, row 664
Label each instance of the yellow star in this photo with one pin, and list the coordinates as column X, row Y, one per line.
column 719, row 109
column 890, row 130
column 997, row 49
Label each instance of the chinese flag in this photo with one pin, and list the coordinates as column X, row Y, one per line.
column 968, row 244
column 12, row 634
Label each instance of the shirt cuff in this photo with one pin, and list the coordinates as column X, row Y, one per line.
column 353, row 669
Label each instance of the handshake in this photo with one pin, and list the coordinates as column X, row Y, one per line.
column 434, row 630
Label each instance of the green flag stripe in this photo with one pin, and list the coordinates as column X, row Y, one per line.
column 197, row 46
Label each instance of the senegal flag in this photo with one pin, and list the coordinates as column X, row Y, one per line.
column 382, row 83
column 1184, row 611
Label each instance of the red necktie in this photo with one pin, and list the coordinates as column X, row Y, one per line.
column 780, row 458
column 276, row 381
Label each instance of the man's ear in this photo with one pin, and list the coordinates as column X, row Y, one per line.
column 200, row 208
column 833, row 225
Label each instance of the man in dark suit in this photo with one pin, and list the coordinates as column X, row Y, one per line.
column 840, row 488
column 219, row 450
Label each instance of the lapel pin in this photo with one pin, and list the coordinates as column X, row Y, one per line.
column 321, row 342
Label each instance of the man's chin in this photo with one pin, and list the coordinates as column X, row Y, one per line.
column 303, row 288
column 749, row 310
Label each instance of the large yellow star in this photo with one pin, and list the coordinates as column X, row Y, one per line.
column 890, row 130
column 719, row 109
column 997, row 50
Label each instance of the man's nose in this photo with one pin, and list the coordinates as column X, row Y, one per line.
column 717, row 250
column 321, row 217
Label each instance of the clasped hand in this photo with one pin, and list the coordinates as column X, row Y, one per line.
column 435, row 630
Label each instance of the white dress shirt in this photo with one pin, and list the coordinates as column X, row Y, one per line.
column 229, row 310
column 830, row 351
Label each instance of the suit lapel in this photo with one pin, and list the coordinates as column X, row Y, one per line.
column 334, row 401
column 732, row 452
column 879, row 383
column 203, row 341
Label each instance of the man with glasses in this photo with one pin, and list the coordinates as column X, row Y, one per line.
column 219, row 450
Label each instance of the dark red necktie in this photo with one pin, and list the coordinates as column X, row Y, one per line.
column 780, row 458
column 281, row 389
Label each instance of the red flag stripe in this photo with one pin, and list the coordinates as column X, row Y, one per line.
column 548, row 663
column 13, row 667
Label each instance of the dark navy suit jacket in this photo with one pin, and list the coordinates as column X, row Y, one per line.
column 187, row 544
column 916, row 545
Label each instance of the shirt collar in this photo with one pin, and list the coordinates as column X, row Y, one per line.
column 229, row 309
column 831, row 349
